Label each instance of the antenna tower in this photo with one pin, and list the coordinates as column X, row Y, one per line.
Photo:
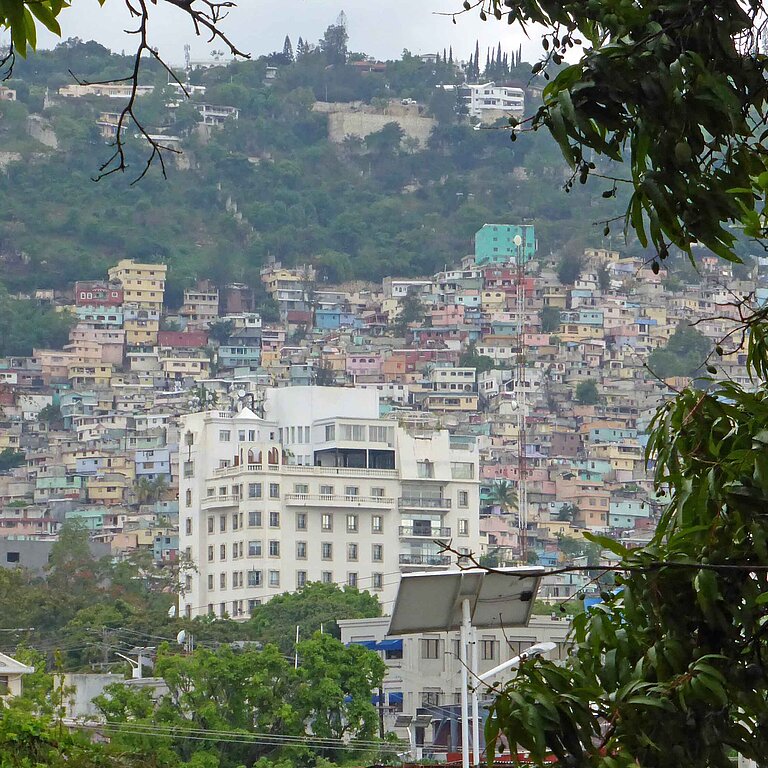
column 341, row 20
column 521, row 395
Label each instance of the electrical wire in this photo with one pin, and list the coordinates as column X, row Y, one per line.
column 240, row 737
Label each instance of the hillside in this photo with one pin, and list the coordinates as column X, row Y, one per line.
column 270, row 184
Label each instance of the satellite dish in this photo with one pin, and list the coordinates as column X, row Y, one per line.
column 181, row 637
column 172, row 612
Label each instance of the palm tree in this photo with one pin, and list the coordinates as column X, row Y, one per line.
column 504, row 496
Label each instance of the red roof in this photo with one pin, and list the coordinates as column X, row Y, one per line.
column 179, row 340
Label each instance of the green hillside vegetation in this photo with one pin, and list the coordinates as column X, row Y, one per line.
column 361, row 209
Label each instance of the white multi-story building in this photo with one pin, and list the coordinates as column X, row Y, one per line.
column 320, row 489
column 488, row 101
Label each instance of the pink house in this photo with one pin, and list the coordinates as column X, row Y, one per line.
column 368, row 364
column 452, row 314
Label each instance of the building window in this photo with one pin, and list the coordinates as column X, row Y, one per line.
column 274, row 578
column 188, row 526
column 274, row 519
column 252, row 605
column 326, row 521
column 254, row 490
column 188, row 497
column 488, row 650
column 301, row 488
column 463, row 499
column 254, row 518
column 377, row 493
column 222, row 581
column 301, row 521
column 330, row 432
column 274, row 548
column 326, row 550
column 223, row 523
column 210, row 581
column 377, row 580
column 326, row 577
column 429, row 648
column 351, row 491
column 211, row 524
column 377, row 553
column 222, row 551
column 425, row 469
column 274, row 490
column 189, row 469
column 254, row 548
column 301, row 550
column 463, row 527
column 254, row 578
column 430, row 698
column 224, row 435
column 210, row 554
column 301, row 579
column 326, row 492
column 351, row 523
column 210, row 492
column 351, row 579
column 352, row 552
column 377, row 524
column 234, row 521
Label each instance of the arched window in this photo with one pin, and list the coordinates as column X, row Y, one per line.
column 251, row 457
column 274, row 457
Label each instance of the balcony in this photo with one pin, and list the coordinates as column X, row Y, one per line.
column 406, row 531
column 212, row 502
column 338, row 500
column 423, row 502
column 414, row 559
column 300, row 469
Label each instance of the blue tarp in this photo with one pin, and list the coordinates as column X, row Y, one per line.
column 389, row 645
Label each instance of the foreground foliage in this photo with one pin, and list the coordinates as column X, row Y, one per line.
column 670, row 669
column 678, row 89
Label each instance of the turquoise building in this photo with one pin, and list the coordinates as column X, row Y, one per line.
column 495, row 243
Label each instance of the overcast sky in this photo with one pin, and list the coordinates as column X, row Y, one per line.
column 381, row 29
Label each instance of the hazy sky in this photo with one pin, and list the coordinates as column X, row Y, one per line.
column 379, row 29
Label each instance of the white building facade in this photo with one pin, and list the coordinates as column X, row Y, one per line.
column 488, row 101
column 320, row 489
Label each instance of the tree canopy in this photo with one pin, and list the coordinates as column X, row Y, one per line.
column 314, row 607
column 685, row 353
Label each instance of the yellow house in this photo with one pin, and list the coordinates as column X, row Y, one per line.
column 451, row 402
column 107, row 489
column 143, row 284
column 493, row 299
column 555, row 296
column 270, row 358
column 90, row 375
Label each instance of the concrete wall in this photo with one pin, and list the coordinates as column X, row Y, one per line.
column 361, row 124
column 33, row 554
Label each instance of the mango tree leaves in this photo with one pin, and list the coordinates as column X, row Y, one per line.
column 676, row 88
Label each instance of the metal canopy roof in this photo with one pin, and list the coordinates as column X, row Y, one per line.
column 431, row 602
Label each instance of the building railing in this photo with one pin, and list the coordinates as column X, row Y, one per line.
column 302, row 469
column 430, row 533
column 219, row 501
column 410, row 559
column 326, row 498
column 423, row 502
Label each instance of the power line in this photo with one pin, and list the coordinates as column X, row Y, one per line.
column 239, row 737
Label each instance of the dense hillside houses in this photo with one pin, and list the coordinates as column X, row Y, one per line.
column 489, row 405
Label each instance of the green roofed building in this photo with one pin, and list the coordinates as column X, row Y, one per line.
column 495, row 243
